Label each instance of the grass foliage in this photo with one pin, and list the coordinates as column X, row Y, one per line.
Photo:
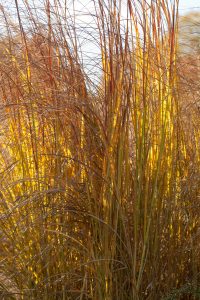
column 99, row 181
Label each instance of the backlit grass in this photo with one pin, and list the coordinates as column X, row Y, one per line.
column 99, row 182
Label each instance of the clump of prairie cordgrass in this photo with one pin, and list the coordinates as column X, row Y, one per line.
column 99, row 182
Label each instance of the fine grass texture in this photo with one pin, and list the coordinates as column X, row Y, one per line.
column 99, row 179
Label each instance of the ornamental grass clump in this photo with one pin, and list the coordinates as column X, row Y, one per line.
column 99, row 184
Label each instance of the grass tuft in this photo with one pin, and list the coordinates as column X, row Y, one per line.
column 99, row 179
